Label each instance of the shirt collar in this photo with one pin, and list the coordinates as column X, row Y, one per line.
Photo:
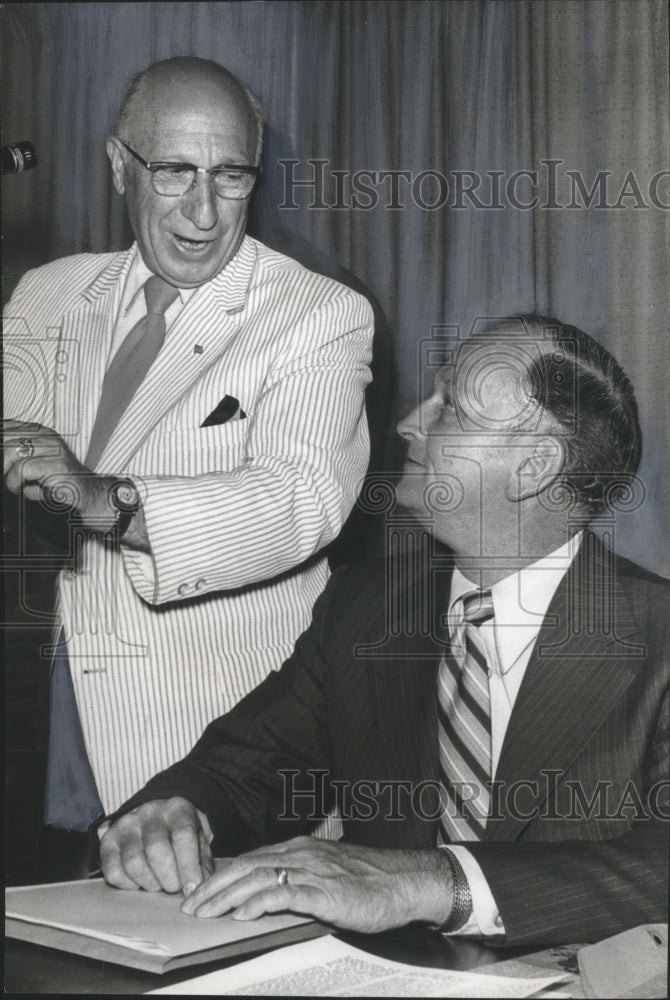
column 138, row 275
column 520, row 600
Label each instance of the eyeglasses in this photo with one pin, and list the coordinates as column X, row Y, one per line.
column 228, row 180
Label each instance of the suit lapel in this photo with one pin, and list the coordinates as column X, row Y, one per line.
column 402, row 687
column 84, row 342
column 581, row 665
column 403, row 695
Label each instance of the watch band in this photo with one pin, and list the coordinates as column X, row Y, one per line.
column 125, row 499
column 461, row 909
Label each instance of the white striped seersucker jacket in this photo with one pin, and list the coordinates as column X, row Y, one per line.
column 236, row 513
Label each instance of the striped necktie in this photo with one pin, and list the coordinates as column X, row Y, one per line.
column 130, row 364
column 464, row 725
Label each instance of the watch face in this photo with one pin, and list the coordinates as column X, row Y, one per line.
column 125, row 497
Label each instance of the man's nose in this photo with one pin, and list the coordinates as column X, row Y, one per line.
column 199, row 205
column 411, row 427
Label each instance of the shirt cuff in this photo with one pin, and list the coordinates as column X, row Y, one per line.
column 485, row 920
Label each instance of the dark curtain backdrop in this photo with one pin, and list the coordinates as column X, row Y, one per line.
column 489, row 88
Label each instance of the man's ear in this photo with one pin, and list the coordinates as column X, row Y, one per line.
column 537, row 470
column 115, row 154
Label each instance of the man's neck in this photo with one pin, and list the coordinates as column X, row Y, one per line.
column 487, row 570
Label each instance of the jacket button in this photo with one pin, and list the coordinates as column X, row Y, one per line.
column 183, row 589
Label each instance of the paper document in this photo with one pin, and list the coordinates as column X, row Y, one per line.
column 329, row 967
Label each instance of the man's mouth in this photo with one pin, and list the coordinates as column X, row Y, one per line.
column 192, row 246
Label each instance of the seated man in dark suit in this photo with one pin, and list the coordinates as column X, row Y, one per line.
column 493, row 718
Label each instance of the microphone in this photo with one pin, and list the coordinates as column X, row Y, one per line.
column 18, row 157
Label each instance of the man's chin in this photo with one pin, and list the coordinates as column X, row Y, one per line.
column 410, row 496
column 191, row 272
column 189, row 264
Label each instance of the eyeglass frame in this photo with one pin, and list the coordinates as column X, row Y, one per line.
column 152, row 167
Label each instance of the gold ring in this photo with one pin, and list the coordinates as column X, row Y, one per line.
column 282, row 876
column 25, row 448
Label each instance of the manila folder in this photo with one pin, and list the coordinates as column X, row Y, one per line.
column 143, row 930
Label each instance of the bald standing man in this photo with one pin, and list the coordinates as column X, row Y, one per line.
column 199, row 399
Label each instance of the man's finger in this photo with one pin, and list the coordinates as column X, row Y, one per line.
column 33, row 492
column 19, row 472
column 213, row 899
column 124, row 839
column 112, row 869
column 303, row 899
column 229, row 879
column 13, row 478
column 292, row 854
column 122, row 858
column 159, row 852
column 187, row 847
column 206, row 856
column 14, row 466
column 285, row 847
column 137, row 867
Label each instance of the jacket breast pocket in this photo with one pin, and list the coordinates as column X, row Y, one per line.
column 195, row 451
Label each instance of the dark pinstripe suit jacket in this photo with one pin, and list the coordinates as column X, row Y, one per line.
column 572, row 850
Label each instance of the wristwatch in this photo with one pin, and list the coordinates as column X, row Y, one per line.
column 125, row 499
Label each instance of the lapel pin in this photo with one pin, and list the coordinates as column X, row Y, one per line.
column 198, row 349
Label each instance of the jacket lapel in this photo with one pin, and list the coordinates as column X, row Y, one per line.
column 581, row 665
column 403, row 677
column 84, row 342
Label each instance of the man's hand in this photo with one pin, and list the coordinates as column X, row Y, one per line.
column 37, row 461
column 158, row 846
column 356, row 888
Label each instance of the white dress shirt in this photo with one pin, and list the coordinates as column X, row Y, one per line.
column 520, row 603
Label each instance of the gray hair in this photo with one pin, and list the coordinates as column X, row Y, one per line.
column 582, row 386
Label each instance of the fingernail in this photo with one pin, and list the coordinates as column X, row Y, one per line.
column 189, row 888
